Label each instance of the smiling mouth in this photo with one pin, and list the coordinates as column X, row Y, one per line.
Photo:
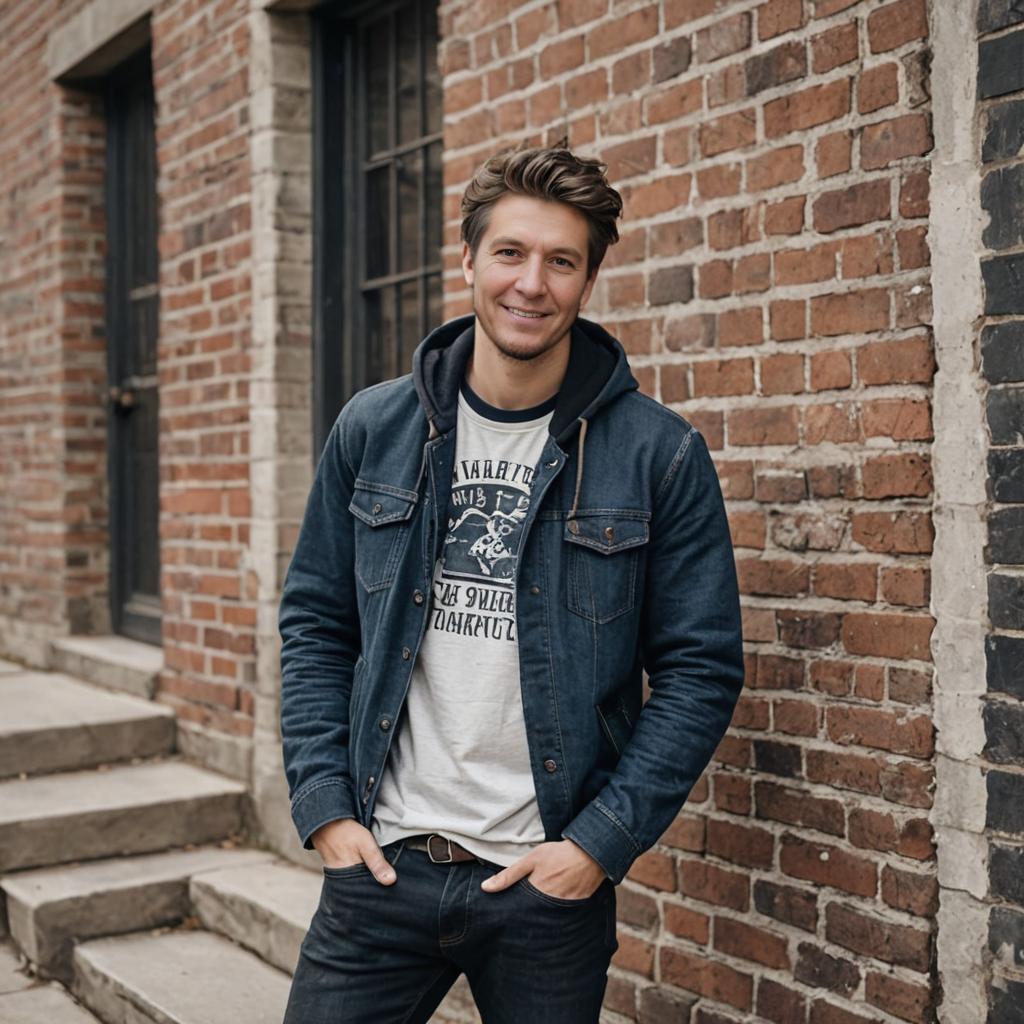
column 525, row 314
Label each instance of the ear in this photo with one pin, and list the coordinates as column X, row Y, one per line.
column 588, row 288
column 467, row 264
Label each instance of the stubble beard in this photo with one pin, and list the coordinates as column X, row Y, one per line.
column 518, row 355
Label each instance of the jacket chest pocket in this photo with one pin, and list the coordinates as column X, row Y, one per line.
column 382, row 516
column 603, row 551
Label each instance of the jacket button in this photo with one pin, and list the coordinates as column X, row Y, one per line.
column 551, row 464
column 550, row 765
column 609, row 532
column 377, row 508
column 535, row 589
column 417, row 596
column 574, row 527
column 406, row 654
column 385, row 724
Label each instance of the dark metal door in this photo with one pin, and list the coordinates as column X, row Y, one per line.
column 133, row 302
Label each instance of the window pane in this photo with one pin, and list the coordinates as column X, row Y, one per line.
column 410, row 298
column 431, row 74
column 408, row 62
column 375, row 44
column 410, row 170
column 380, row 335
column 435, row 202
column 435, row 303
column 378, row 194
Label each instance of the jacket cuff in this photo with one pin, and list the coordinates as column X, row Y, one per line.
column 599, row 832
column 322, row 801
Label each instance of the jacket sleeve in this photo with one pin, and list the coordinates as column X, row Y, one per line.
column 320, row 642
column 692, row 649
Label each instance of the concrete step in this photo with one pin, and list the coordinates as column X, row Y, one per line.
column 113, row 662
column 265, row 907
column 52, row 722
column 125, row 809
column 50, row 909
column 178, row 977
column 24, row 1000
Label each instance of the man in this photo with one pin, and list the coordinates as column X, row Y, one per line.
column 494, row 548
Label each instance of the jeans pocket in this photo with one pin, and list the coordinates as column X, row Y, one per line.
column 556, row 901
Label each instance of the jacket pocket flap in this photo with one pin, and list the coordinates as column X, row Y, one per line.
column 377, row 504
column 608, row 531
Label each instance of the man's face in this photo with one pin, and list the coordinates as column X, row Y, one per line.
column 529, row 275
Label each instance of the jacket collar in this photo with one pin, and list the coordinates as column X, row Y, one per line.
column 596, row 374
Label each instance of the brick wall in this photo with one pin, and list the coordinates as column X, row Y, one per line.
column 772, row 285
column 1001, row 99
column 53, row 503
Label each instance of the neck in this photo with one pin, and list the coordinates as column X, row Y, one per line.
column 508, row 383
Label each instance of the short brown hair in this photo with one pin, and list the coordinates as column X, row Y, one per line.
column 552, row 173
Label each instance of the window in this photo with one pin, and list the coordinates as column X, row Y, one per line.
column 378, row 196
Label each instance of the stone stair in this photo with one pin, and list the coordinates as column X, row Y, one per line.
column 126, row 894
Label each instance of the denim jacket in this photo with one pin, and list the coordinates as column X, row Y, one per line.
column 625, row 566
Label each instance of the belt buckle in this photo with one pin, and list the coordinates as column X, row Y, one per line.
column 430, row 852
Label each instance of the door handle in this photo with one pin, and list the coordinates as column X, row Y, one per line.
column 122, row 399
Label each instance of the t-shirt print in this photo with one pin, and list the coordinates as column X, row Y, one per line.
column 474, row 592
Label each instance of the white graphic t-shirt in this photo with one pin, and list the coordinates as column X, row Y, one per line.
column 459, row 764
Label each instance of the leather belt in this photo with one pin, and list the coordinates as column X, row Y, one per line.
column 440, row 849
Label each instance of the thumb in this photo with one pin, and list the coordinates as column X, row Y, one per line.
column 378, row 864
column 508, row 876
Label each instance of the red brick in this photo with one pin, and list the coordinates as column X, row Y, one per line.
column 833, row 154
column 782, row 374
column 878, row 87
column 732, row 793
column 893, row 943
column 711, row 884
column 834, row 47
column 778, row 16
column 687, row 923
column 788, row 319
column 910, row 892
column 674, row 383
column 678, row 146
column 897, row 476
column 752, row 273
column 832, row 677
column 728, row 229
column 785, row 217
column 779, row 1004
column 860, row 773
column 728, row 132
column 884, row 143
column 773, row 577
column 787, row 904
column 708, row 978
column 748, row 529
column 561, row 55
column 906, row 586
column 804, row 266
column 914, row 201
column 719, row 181
column 902, row 419
column 723, row 37
column 674, row 102
column 828, row 865
column 888, row 635
column 867, row 255
column 635, row 955
column 741, row 844
column 780, row 486
column 686, row 833
column 739, row 939
column 909, row 687
column 903, row 999
column 741, row 326
column 808, row 108
column 655, row 870
column 779, row 672
column 763, row 426
column 723, row 377
column 675, row 237
column 797, row 807
column 834, row 423
column 853, row 581
column 895, row 24
column 828, row 1013
column 875, row 830
column 909, row 783
column 856, row 312
column 578, row 12
column 912, row 245
column 881, row 729
column 776, row 167
column 852, row 206
column 636, row 908
column 893, row 532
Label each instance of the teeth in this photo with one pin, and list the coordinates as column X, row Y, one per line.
column 523, row 312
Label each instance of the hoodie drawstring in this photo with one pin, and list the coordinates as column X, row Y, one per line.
column 579, row 473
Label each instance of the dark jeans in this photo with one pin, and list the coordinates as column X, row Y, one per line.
column 377, row 954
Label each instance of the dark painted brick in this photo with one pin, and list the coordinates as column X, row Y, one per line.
column 1006, row 873
column 1002, row 352
column 1004, row 284
column 1004, row 138
column 1001, row 65
column 785, row 903
column 1004, row 657
column 778, row 758
column 1002, row 197
column 671, row 284
column 996, row 14
column 783, row 64
column 671, row 59
column 1006, row 1002
column 1006, row 601
column 821, row 970
column 1005, row 408
column 1005, row 801
column 1006, row 536
column 1004, row 732
column 1006, row 474
column 1006, row 935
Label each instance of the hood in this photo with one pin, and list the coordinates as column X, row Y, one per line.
column 597, row 373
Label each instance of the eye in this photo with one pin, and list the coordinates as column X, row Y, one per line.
column 562, row 261
column 508, row 252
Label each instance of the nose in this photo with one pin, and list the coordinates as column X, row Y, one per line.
column 531, row 278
